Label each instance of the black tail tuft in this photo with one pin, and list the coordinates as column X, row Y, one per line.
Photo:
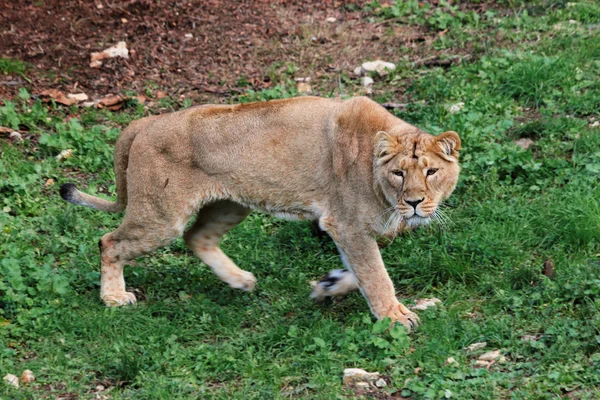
column 67, row 191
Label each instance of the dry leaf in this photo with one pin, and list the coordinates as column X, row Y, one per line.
column 476, row 346
column 490, row 356
column 424, row 304
column 78, row 97
column 27, row 377
column 56, row 95
column 112, row 102
column 5, row 131
column 141, row 98
column 548, row 269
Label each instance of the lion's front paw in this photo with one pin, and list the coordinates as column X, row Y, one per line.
column 402, row 314
column 243, row 280
column 119, row 299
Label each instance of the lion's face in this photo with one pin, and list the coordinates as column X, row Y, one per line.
column 416, row 172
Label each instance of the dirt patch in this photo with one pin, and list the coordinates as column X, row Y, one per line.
column 197, row 49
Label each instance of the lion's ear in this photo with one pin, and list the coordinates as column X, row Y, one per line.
column 449, row 143
column 385, row 144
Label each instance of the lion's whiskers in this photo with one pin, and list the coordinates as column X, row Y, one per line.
column 393, row 222
column 441, row 217
column 387, row 210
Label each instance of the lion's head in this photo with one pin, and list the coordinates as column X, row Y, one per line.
column 415, row 172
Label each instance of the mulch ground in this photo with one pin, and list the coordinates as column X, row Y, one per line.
column 199, row 49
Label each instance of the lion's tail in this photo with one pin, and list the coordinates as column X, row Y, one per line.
column 70, row 193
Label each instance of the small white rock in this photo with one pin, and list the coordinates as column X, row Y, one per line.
column 530, row 338
column 454, row 108
column 481, row 364
column 64, row 154
column 366, row 81
column 331, row 19
column 378, row 66
column 451, row 361
column 303, row 87
column 353, row 375
column 189, row 36
column 595, row 124
column 15, row 136
column 524, row 143
column 359, row 71
column 476, row 346
column 11, row 379
column 362, row 385
column 118, row 50
column 424, row 304
column 88, row 104
column 381, row 383
column 490, row 356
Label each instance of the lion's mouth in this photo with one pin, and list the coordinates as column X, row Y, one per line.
column 417, row 220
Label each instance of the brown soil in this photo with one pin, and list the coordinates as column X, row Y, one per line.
column 231, row 42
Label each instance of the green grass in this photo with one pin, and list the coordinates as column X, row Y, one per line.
column 9, row 66
column 192, row 337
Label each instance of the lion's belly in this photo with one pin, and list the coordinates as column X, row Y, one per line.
column 290, row 211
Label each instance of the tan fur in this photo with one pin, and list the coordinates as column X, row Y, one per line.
column 303, row 158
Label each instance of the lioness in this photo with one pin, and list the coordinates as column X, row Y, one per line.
column 350, row 164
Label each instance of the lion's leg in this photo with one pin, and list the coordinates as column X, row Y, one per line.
column 360, row 254
column 144, row 229
column 204, row 236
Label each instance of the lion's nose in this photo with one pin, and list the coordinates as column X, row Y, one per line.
column 414, row 203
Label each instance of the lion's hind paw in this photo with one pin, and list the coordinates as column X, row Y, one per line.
column 338, row 282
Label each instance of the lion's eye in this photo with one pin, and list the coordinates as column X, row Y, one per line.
column 431, row 171
column 398, row 173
